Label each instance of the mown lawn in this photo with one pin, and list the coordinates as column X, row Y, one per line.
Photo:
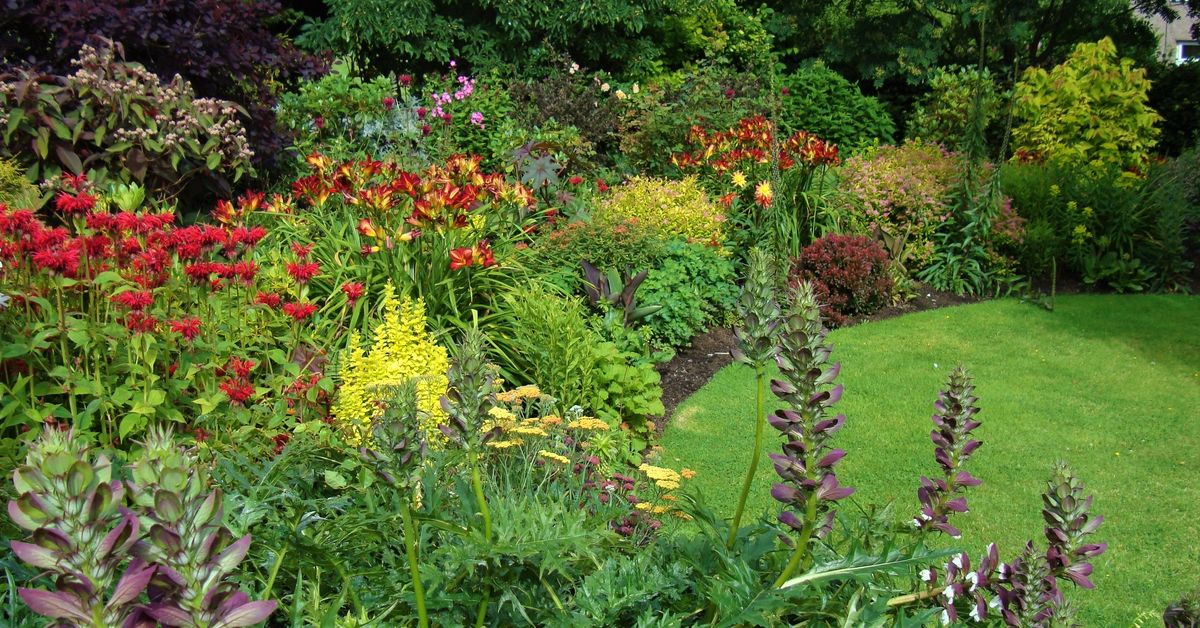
column 1109, row 383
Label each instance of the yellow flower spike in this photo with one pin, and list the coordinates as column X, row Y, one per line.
column 504, row 444
column 402, row 350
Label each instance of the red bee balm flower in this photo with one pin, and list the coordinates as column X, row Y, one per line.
column 268, row 299
column 189, row 327
column 237, row 390
column 299, row 311
column 302, row 250
column 353, row 291
column 303, row 272
column 575, row 180
column 240, row 367
column 134, row 300
column 140, row 323
column 78, row 204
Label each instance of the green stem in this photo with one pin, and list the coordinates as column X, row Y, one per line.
column 760, row 375
column 266, row 592
column 481, row 614
column 477, row 484
column 410, row 548
column 810, row 521
column 901, row 600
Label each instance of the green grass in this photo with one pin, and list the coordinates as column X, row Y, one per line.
column 1111, row 384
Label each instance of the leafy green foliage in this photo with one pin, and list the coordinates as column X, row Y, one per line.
column 116, row 121
column 627, row 392
column 545, row 339
column 1089, row 112
column 1107, row 228
column 943, row 115
column 694, row 283
column 657, row 120
column 821, row 101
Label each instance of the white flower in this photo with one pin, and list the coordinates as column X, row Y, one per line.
column 916, row 523
column 4, row 301
column 945, row 617
column 995, row 603
column 973, row 578
column 948, row 593
column 574, row 68
column 635, row 88
column 926, row 575
column 604, row 87
column 958, row 560
column 975, row 613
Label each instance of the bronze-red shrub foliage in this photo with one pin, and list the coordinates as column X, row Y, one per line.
column 849, row 274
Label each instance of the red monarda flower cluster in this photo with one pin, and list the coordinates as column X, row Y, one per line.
column 237, row 384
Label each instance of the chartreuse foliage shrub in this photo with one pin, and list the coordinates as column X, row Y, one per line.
column 117, row 122
column 818, row 100
column 1089, row 112
column 545, row 339
column 15, row 189
column 679, row 209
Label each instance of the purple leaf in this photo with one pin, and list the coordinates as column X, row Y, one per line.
column 785, row 493
column 830, row 490
column 831, row 458
column 958, row 504
column 1078, row 573
column 169, row 614
column 35, row 555
column 234, row 600
column 247, row 614
column 966, row 479
column 790, row 519
column 137, row 575
column 54, row 604
column 120, row 538
column 233, row 555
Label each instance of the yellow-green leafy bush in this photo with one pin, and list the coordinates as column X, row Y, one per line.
column 15, row 191
column 401, row 350
column 672, row 208
column 1090, row 111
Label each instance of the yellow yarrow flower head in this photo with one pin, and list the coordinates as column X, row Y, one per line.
column 588, row 424
column 402, row 350
column 549, row 455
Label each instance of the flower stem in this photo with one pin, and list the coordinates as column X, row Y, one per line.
column 810, row 522
column 410, row 548
column 901, row 600
column 760, row 375
column 266, row 593
column 477, row 484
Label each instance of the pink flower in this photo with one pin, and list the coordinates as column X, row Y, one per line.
column 477, row 119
